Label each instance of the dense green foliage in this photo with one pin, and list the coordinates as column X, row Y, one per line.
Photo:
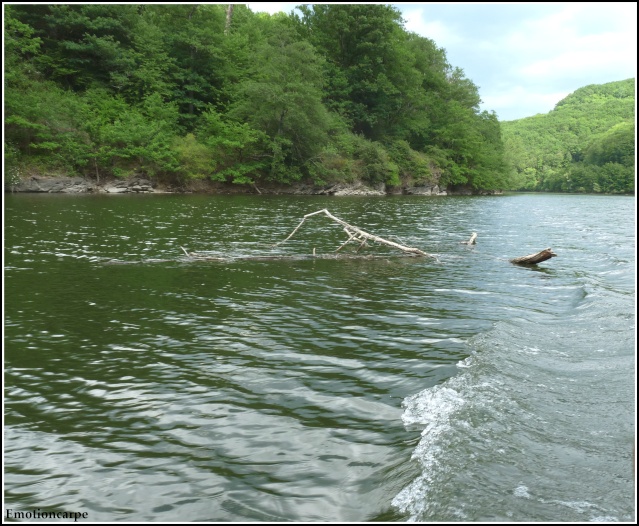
column 586, row 144
column 336, row 93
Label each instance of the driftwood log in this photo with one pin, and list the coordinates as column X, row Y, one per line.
column 533, row 259
column 357, row 235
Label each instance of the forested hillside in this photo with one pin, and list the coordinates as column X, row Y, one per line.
column 180, row 92
column 586, row 144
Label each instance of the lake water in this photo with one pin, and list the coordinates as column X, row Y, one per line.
column 141, row 386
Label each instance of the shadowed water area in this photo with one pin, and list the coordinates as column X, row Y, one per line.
column 143, row 386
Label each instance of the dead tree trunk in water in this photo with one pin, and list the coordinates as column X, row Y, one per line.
column 472, row 240
column 357, row 234
column 533, row 259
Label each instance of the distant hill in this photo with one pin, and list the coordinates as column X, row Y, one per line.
column 585, row 144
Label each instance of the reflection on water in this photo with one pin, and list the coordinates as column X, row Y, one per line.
column 298, row 390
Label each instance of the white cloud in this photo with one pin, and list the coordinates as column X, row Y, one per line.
column 272, row 7
column 607, row 53
column 507, row 103
column 572, row 63
column 574, row 36
column 435, row 30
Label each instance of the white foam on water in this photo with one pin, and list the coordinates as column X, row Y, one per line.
column 521, row 491
column 490, row 420
column 433, row 408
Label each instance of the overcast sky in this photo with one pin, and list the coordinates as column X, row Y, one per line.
column 526, row 57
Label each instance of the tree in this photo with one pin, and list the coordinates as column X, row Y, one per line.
column 193, row 36
column 83, row 44
column 283, row 99
column 358, row 43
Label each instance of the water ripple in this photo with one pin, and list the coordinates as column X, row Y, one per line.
column 300, row 390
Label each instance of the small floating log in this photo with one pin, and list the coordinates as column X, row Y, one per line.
column 533, row 259
column 471, row 241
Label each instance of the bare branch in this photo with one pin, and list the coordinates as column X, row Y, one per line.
column 358, row 234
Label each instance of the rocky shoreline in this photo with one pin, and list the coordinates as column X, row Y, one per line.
column 142, row 185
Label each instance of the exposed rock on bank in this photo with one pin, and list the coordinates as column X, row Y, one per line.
column 136, row 185
column 425, row 190
column 141, row 185
column 339, row 189
column 79, row 185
